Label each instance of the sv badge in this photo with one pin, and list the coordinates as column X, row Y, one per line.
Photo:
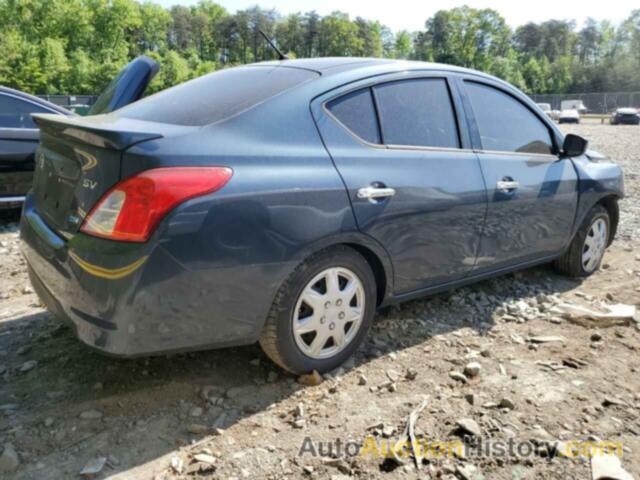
column 90, row 184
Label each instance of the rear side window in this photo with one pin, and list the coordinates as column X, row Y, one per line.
column 216, row 96
column 417, row 112
column 356, row 112
column 16, row 113
column 505, row 124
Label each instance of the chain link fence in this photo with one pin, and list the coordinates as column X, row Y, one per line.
column 598, row 103
column 76, row 103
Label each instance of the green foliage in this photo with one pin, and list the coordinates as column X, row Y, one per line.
column 78, row 46
column 536, row 75
column 81, row 72
column 402, row 45
column 175, row 69
column 54, row 64
column 466, row 36
column 339, row 36
column 507, row 67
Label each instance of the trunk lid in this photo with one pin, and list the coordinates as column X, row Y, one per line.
column 78, row 160
column 127, row 87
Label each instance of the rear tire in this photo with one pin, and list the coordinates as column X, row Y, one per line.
column 587, row 248
column 318, row 297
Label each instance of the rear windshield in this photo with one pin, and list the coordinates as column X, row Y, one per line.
column 216, row 96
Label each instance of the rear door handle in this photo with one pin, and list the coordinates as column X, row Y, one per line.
column 375, row 193
column 507, row 185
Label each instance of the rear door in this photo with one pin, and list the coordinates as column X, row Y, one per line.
column 532, row 192
column 414, row 182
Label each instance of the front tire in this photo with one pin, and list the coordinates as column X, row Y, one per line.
column 587, row 248
column 322, row 312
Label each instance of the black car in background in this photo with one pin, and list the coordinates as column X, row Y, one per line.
column 625, row 116
column 19, row 135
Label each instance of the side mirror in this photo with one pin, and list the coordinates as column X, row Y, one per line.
column 574, row 145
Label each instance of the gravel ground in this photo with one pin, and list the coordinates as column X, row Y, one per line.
column 474, row 356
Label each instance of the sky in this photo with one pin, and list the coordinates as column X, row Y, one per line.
column 411, row 15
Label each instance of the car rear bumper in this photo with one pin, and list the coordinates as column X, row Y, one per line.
column 138, row 299
column 627, row 121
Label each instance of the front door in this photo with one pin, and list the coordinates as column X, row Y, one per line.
column 532, row 192
column 414, row 183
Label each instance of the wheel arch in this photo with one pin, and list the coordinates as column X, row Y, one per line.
column 610, row 203
column 599, row 183
column 376, row 266
column 374, row 253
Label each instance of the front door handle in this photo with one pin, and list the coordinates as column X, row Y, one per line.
column 375, row 193
column 507, row 185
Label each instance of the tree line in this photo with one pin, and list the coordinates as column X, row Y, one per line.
column 77, row 46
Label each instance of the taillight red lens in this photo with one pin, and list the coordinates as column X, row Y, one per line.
column 132, row 209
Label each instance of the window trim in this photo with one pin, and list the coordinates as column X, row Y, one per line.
column 371, row 83
column 27, row 100
column 554, row 154
column 376, row 111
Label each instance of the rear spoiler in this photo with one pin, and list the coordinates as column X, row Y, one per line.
column 104, row 134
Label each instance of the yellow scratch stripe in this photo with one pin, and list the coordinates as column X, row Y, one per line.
column 89, row 160
column 108, row 273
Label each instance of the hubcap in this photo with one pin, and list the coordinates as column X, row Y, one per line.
column 594, row 245
column 329, row 313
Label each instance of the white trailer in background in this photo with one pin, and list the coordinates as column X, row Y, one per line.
column 573, row 105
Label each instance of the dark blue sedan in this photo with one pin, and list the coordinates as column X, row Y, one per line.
column 283, row 202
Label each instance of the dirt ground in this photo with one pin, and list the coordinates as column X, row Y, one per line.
column 231, row 413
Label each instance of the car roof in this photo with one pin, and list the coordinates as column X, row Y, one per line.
column 326, row 66
column 36, row 100
column 335, row 71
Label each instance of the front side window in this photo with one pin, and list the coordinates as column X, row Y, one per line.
column 505, row 124
column 417, row 112
column 355, row 111
column 16, row 113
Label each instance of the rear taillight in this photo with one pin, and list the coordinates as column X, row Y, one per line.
column 132, row 209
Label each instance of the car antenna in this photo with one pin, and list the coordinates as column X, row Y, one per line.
column 281, row 56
